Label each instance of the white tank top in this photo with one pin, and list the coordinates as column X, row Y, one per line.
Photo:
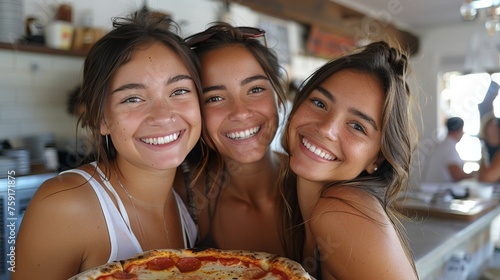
column 124, row 243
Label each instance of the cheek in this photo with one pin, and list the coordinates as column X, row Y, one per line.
column 298, row 119
column 193, row 114
column 211, row 120
column 365, row 154
column 292, row 130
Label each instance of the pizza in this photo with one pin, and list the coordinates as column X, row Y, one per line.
column 198, row 264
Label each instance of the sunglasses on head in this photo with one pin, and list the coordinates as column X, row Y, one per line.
column 246, row 32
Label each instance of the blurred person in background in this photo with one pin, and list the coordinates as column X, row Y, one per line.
column 489, row 135
column 445, row 164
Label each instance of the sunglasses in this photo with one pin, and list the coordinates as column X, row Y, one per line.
column 245, row 31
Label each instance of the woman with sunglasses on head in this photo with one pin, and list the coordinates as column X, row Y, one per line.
column 350, row 140
column 235, row 187
column 140, row 91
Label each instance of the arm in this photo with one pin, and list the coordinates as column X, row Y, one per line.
column 457, row 173
column 54, row 232
column 491, row 172
column 358, row 243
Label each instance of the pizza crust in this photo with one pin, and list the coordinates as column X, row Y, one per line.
column 94, row 273
column 199, row 264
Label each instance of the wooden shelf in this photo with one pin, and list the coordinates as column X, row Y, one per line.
column 36, row 48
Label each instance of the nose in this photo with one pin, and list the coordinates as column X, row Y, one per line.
column 330, row 128
column 160, row 113
column 240, row 110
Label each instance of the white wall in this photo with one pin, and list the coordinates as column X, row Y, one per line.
column 33, row 93
column 442, row 49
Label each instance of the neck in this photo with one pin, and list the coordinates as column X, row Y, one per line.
column 308, row 193
column 253, row 179
column 151, row 187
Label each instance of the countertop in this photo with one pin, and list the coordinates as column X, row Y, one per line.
column 434, row 240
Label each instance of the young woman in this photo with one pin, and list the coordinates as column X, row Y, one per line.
column 140, row 90
column 236, row 192
column 350, row 140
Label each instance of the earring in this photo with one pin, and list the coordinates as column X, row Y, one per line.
column 375, row 168
column 107, row 141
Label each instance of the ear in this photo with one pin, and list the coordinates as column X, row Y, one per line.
column 375, row 164
column 104, row 129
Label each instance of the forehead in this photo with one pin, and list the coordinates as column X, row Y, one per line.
column 152, row 59
column 352, row 83
column 356, row 90
column 228, row 54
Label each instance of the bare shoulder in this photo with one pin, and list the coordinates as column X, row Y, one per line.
column 354, row 233
column 349, row 201
column 66, row 216
column 350, row 209
column 61, row 199
column 70, row 190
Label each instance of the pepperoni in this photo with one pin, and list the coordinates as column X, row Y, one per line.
column 229, row 261
column 254, row 273
column 160, row 263
column 188, row 264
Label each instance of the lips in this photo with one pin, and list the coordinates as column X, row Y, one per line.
column 317, row 151
column 161, row 140
column 245, row 134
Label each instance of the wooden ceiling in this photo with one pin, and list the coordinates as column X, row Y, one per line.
column 337, row 19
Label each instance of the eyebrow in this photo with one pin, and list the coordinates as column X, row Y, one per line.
column 244, row 82
column 354, row 111
column 142, row 86
column 254, row 78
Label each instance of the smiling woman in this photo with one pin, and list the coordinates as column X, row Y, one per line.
column 235, row 192
column 140, row 90
column 349, row 140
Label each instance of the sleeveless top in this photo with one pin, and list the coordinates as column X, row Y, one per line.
column 124, row 243
column 318, row 264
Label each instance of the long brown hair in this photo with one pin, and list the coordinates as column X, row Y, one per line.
column 389, row 66
column 110, row 53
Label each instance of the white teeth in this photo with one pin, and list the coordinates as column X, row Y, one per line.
column 241, row 135
column 317, row 151
column 161, row 140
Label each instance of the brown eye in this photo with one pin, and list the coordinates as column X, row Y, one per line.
column 257, row 90
column 180, row 92
column 133, row 99
column 213, row 99
column 358, row 127
column 318, row 103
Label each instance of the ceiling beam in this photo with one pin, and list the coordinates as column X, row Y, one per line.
column 337, row 19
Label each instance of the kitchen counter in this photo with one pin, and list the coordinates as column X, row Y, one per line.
column 435, row 240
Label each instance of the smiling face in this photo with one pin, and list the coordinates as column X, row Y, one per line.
column 335, row 133
column 239, row 104
column 152, row 112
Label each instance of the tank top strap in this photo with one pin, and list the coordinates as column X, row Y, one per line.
column 189, row 228
column 112, row 190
